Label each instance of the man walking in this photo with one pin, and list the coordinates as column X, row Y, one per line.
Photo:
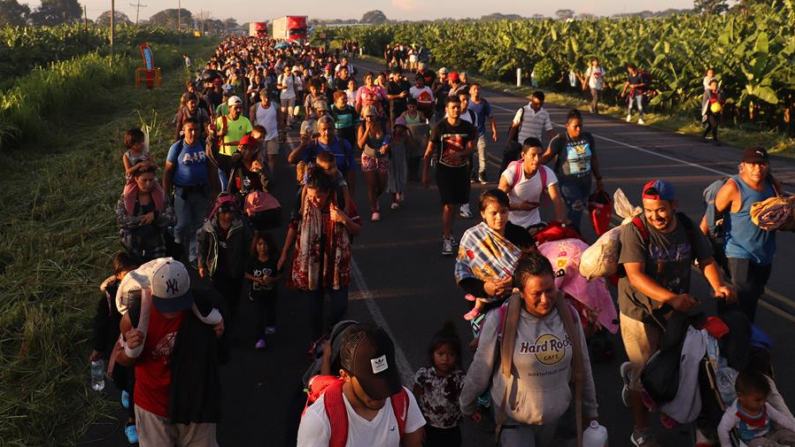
column 451, row 142
column 749, row 249
column 191, row 174
column 529, row 121
column 657, row 252
column 483, row 111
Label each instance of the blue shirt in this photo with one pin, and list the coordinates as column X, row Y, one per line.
column 340, row 148
column 190, row 162
column 482, row 111
column 744, row 239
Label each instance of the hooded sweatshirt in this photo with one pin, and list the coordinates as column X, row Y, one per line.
column 541, row 371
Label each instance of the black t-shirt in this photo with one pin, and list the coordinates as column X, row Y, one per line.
column 398, row 105
column 667, row 259
column 451, row 139
column 260, row 269
column 638, row 78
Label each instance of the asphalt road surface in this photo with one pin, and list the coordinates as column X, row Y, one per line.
column 402, row 283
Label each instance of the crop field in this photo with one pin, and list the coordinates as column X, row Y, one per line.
column 753, row 54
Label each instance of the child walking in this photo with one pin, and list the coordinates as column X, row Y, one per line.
column 262, row 272
column 438, row 386
column 752, row 415
column 106, row 333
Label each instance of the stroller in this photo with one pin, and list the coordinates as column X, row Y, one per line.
column 691, row 378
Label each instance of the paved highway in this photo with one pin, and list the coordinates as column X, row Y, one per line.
column 402, row 282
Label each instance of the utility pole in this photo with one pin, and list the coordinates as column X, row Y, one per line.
column 179, row 22
column 112, row 26
column 85, row 23
column 137, row 10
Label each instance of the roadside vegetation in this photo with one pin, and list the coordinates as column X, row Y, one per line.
column 59, row 191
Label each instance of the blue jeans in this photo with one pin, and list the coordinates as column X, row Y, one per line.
column 638, row 101
column 223, row 177
column 316, row 298
column 576, row 197
column 191, row 211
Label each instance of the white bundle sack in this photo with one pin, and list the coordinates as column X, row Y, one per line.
column 601, row 258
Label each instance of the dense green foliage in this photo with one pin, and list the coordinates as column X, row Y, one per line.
column 23, row 48
column 753, row 53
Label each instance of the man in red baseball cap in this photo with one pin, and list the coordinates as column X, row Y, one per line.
column 658, row 250
column 371, row 387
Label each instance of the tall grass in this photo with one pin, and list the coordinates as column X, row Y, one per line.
column 58, row 236
column 66, row 88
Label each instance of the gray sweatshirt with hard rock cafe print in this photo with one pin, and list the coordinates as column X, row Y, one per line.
column 542, row 365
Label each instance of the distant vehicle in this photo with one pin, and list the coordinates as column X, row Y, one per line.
column 290, row 28
column 258, row 29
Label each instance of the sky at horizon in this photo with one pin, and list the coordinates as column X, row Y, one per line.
column 249, row 10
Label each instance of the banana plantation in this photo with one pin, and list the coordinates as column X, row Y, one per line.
column 753, row 55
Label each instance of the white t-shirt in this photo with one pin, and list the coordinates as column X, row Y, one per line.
column 291, row 82
column 315, row 429
column 527, row 189
column 422, row 95
column 594, row 76
column 267, row 119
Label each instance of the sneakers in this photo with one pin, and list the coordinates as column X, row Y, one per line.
column 375, row 217
column 125, row 399
column 482, row 178
column 626, row 377
column 629, row 118
column 260, row 344
column 643, row 438
column 270, row 330
column 640, row 121
column 447, row 247
column 131, row 431
column 465, row 212
column 394, row 205
column 453, row 240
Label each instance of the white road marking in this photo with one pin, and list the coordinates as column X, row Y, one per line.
column 403, row 365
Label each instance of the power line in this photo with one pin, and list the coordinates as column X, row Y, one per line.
column 137, row 10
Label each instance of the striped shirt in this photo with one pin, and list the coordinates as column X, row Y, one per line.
column 532, row 123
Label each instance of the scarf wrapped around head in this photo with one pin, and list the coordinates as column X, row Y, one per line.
column 316, row 266
column 130, row 196
column 485, row 254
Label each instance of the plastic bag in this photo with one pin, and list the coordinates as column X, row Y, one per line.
column 601, row 258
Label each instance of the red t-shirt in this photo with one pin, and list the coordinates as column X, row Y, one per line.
column 153, row 370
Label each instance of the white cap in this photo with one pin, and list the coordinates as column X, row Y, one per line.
column 234, row 101
column 170, row 284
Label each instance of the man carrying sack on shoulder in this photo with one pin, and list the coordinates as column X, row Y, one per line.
column 530, row 351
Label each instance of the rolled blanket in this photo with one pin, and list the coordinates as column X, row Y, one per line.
column 774, row 214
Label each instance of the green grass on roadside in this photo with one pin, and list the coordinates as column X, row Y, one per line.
column 739, row 136
column 59, row 235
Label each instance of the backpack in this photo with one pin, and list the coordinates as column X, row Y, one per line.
column 517, row 177
column 331, row 388
column 506, row 336
column 715, row 230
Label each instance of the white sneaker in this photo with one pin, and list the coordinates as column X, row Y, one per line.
column 465, row 212
column 629, row 118
column 640, row 121
column 626, row 377
column 447, row 247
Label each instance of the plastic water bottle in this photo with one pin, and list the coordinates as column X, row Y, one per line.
column 98, row 375
column 594, row 436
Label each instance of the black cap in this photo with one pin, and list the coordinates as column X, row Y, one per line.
column 755, row 155
column 368, row 354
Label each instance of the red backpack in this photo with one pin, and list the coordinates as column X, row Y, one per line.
column 517, row 177
column 331, row 388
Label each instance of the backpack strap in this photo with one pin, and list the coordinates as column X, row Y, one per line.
column 644, row 232
column 577, row 362
column 544, row 190
column 510, row 323
column 337, row 415
column 517, row 173
column 400, row 406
